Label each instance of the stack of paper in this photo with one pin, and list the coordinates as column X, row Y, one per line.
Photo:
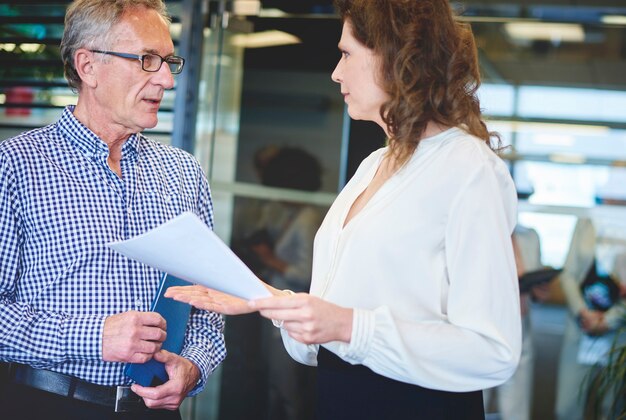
column 185, row 247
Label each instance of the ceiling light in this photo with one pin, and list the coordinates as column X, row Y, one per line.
column 541, row 31
column 567, row 158
column 176, row 29
column 272, row 13
column 246, row 7
column 63, row 100
column 263, row 39
column 559, row 140
column 543, row 127
column 7, row 47
column 30, row 47
column 614, row 19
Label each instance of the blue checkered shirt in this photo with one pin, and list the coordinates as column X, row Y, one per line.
column 60, row 203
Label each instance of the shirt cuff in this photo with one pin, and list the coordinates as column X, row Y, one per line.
column 199, row 359
column 82, row 336
column 363, row 324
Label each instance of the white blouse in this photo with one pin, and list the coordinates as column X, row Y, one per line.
column 428, row 267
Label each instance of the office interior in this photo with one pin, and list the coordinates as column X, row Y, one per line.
column 257, row 77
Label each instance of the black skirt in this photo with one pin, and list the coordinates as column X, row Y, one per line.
column 348, row 391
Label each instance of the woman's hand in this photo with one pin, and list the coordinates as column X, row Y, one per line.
column 211, row 300
column 307, row 318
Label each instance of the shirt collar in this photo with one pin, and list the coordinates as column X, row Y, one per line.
column 86, row 141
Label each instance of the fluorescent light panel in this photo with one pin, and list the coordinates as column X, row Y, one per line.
column 567, row 158
column 275, row 13
column 614, row 19
column 24, row 47
column 246, row 7
column 264, row 39
column 539, row 127
column 541, row 31
column 63, row 100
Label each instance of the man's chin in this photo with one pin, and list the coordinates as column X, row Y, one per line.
column 150, row 121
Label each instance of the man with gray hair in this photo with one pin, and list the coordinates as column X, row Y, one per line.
column 73, row 313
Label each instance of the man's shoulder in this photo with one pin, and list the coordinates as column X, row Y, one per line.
column 26, row 140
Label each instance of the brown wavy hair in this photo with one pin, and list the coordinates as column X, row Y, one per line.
column 429, row 67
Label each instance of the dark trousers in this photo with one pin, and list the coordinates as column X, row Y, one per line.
column 347, row 392
column 19, row 402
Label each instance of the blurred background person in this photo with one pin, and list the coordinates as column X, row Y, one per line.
column 286, row 253
column 513, row 399
column 596, row 311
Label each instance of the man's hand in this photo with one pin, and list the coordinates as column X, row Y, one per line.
column 132, row 337
column 592, row 322
column 541, row 292
column 183, row 377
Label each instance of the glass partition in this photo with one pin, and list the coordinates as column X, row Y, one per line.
column 270, row 134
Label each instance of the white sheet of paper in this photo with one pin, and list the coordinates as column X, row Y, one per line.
column 185, row 247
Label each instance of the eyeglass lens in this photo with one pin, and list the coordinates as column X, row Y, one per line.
column 152, row 62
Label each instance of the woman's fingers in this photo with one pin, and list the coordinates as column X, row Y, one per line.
column 280, row 302
column 209, row 299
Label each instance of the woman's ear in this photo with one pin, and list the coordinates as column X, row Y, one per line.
column 85, row 67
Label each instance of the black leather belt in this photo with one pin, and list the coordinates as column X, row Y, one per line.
column 119, row 398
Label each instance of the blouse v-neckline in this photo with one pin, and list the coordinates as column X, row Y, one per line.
column 367, row 182
column 387, row 185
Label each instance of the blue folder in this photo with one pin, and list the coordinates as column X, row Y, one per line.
column 176, row 314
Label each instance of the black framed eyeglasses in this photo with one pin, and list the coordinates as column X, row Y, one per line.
column 151, row 62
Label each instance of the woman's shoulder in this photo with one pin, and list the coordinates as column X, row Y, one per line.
column 464, row 150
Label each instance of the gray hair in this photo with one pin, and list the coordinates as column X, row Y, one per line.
column 88, row 25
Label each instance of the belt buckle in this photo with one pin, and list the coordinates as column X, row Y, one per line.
column 126, row 400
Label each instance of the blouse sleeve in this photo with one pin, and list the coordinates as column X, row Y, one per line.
column 302, row 353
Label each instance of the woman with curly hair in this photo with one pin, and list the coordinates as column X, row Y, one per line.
column 414, row 302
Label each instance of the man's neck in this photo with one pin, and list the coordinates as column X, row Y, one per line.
column 111, row 135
